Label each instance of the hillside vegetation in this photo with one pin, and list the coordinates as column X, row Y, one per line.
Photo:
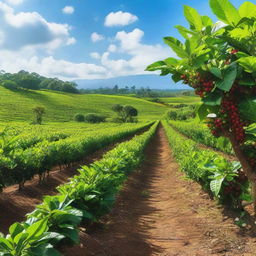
column 60, row 106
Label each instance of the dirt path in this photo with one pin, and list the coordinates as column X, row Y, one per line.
column 15, row 204
column 160, row 213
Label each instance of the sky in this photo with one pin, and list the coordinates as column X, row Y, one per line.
column 89, row 39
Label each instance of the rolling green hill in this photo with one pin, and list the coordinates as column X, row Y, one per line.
column 17, row 105
column 181, row 99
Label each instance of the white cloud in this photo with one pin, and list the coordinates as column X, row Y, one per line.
column 141, row 55
column 95, row 37
column 71, row 41
column 130, row 40
column 119, row 19
column 112, row 48
column 14, row 2
column 68, row 10
column 30, row 29
column 95, row 55
column 49, row 66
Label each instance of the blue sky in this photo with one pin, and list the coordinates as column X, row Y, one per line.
column 85, row 39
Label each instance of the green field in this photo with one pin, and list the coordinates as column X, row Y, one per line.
column 181, row 100
column 61, row 107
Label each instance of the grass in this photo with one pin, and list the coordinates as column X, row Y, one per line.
column 61, row 107
column 181, row 99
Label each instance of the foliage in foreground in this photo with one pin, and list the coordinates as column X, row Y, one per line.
column 223, row 179
column 86, row 197
column 218, row 60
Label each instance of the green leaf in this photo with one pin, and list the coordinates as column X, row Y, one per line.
column 241, row 54
column 225, row 11
column 213, row 99
column 248, row 10
column 229, row 76
column 186, row 33
column 247, row 108
column 193, row 18
column 248, row 63
column 216, row 72
column 215, row 185
column 71, row 234
column 247, row 81
column 207, row 21
column 37, row 229
column 176, row 77
column 15, row 229
column 240, row 33
column 176, row 46
column 172, row 62
column 203, row 110
column 251, row 129
column 156, row 66
column 45, row 250
column 5, row 244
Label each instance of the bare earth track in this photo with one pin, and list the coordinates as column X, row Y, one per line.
column 159, row 212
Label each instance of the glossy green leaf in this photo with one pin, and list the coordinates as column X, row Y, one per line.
column 158, row 65
column 248, row 63
column 229, row 76
column 193, row 18
column 225, row 11
column 213, row 99
column 215, row 185
column 216, row 72
column 247, row 108
column 176, row 46
column 248, row 10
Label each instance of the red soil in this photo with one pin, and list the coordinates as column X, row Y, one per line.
column 15, row 204
column 159, row 212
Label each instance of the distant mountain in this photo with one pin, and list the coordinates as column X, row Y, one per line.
column 151, row 81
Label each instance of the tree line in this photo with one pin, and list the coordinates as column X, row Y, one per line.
column 34, row 81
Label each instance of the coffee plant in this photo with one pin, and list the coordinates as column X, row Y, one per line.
column 218, row 60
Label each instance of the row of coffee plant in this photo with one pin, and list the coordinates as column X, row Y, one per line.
column 17, row 165
column 222, row 178
column 200, row 133
column 86, row 197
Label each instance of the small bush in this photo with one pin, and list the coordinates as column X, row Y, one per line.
column 94, row 118
column 172, row 115
column 79, row 117
column 11, row 85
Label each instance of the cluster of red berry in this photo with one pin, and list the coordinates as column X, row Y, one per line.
column 216, row 127
column 228, row 119
column 185, row 79
column 201, row 84
column 236, row 124
column 234, row 187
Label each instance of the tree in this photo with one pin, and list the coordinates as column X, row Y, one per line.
column 219, row 62
column 39, row 112
column 125, row 113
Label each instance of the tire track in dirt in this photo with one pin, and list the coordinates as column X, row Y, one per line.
column 159, row 212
